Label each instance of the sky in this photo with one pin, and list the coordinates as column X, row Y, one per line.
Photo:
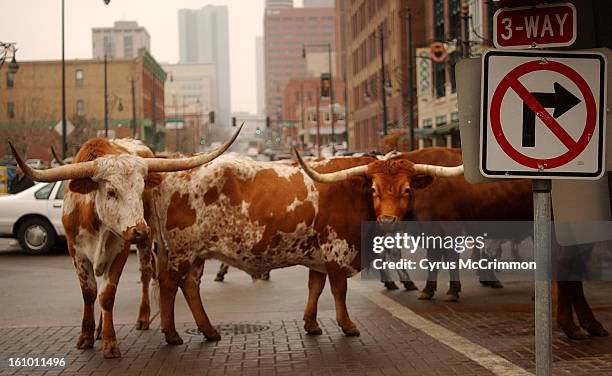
column 35, row 25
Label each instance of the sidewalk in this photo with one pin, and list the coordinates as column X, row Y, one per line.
column 487, row 332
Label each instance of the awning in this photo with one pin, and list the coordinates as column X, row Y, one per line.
column 441, row 130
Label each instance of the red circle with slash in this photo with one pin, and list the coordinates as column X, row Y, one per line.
column 512, row 81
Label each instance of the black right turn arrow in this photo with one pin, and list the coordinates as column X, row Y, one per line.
column 561, row 100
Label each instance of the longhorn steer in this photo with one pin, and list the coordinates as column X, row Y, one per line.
column 395, row 196
column 258, row 216
column 103, row 213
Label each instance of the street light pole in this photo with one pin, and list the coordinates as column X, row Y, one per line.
column 133, row 109
column 331, row 99
column 64, row 145
column 411, row 116
column 382, row 78
column 105, row 96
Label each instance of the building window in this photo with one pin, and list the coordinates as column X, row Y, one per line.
column 10, row 80
column 79, row 77
column 440, row 120
column 80, row 107
column 427, row 123
column 438, row 20
column 427, row 142
column 454, row 117
column 10, row 110
column 128, row 46
column 454, row 27
column 440, row 79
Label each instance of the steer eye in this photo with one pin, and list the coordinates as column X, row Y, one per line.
column 407, row 190
column 112, row 194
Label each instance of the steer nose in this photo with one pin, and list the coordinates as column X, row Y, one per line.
column 387, row 222
column 138, row 234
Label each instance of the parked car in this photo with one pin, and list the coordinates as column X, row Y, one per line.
column 34, row 217
column 36, row 163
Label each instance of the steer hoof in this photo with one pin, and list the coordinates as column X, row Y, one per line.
column 312, row 327
column 173, row 339
column 142, row 324
column 451, row 297
column 597, row 330
column 265, row 276
column 351, row 331
column 212, row 335
column 111, row 350
column 390, row 285
column 576, row 334
column 219, row 278
column 409, row 286
column 425, row 295
column 85, row 342
column 496, row 285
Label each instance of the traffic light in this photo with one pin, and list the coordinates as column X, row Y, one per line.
column 211, row 117
column 233, row 121
column 267, row 122
column 257, row 131
column 325, row 85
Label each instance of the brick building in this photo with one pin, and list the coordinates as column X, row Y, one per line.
column 30, row 102
column 363, row 65
column 436, row 87
column 299, row 95
column 285, row 31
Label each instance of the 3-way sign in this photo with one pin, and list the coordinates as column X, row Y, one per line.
column 543, row 114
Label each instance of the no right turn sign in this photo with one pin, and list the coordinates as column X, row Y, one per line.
column 543, row 114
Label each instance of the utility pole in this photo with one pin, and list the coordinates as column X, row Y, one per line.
column 133, row 109
column 105, row 96
column 318, row 123
column 465, row 40
column 331, row 99
column 411, row 117
column 382, row 78
column 64, row 145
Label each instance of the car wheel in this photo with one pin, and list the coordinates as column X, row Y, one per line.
column 36, row 236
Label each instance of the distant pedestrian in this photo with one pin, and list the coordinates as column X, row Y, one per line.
column 20, row 182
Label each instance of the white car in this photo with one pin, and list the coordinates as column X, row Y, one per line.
column 34, row 217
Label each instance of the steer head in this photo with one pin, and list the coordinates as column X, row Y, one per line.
column 118, row 182
column 393, row 183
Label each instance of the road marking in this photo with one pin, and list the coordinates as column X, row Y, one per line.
column 487, row 359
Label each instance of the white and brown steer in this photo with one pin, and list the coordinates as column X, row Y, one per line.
column 258, row 216
column 103, row 213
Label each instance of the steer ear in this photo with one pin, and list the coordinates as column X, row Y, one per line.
column 153, row 180
column 421, row 181
column 83, row 185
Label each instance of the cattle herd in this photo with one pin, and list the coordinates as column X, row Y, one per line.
column 258, row 216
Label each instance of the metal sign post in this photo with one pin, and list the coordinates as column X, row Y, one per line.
column 543, row 259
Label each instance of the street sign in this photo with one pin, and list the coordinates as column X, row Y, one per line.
column 69, row 127
column 543, row 114
column 550, row 25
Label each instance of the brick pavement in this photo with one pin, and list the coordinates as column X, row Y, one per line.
column 386, row 347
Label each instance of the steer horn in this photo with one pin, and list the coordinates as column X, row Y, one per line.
column 180, row 164
column 439, row 171
column 73, row 171
column 330, row 177
column 56, row 157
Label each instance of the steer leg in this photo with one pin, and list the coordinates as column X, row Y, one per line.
column 338, row 282
column 191, row 290
column 167, row 294
column 316, row 283
column 107, row 301
column 146, row 272
column 565, row 313
column 585, row 315
column 223, row 268
column 84, row 269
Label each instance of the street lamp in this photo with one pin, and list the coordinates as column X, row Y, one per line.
column 64, row 145
column 331, row 89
